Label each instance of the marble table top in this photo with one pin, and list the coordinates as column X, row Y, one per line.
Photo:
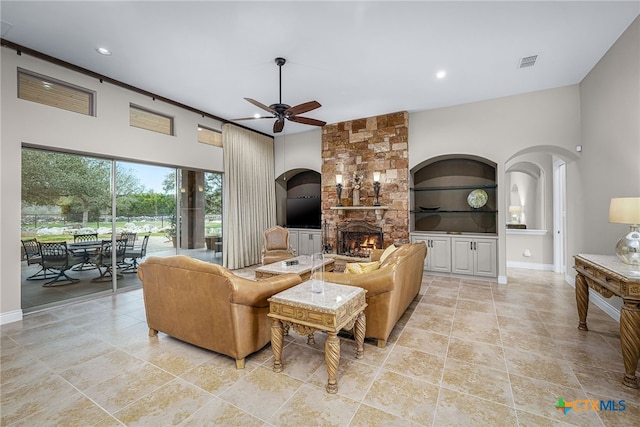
column 304, row 265
column 613, row 263
column 332, row 297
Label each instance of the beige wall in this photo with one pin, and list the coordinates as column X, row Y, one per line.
column 610, row 110
column 106, row 134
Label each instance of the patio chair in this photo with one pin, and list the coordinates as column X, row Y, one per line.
column 131, row 241
column 102, row 259
column 32, row 253
column 131, row 238
column 84, row 255
column 134, row 255
column 55, row 256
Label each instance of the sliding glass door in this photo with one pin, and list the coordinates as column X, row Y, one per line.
column 67, row 199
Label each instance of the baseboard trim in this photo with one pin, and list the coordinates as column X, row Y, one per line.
column 598, row 300
column 530, row 265
column 10, row 317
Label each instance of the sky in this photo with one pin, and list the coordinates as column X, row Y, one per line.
column 149, row 176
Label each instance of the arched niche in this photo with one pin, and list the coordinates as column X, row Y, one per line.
column 300, row 190
column 526, row 195
column 441, row 190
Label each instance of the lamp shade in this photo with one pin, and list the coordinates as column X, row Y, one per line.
column 376, row 176
column 624, row 210
column 514, row 209
column 338, row 179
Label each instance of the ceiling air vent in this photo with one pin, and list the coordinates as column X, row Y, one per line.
column 528, row 61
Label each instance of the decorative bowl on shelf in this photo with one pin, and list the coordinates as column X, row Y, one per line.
column 477, row 198
column 435, row 208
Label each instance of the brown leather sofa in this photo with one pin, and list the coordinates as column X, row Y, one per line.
column 207, row 305
column 390, row 289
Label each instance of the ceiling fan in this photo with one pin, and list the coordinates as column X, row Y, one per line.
column 282, row 111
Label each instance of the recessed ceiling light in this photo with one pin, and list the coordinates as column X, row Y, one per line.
column 103, row 51
column 441, row 74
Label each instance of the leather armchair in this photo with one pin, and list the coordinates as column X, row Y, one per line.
column 207, row 305
column 390, row 289
column 276, row 245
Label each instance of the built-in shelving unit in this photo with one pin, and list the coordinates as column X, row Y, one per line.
column 440, row 195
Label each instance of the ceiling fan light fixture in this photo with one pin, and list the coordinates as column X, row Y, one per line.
column 281, row 111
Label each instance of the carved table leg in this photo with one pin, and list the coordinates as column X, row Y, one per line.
column 630, row 341
column 582, row 299
column 360, row 327
column 277, row 338
column 310, row 339
column 332, row 359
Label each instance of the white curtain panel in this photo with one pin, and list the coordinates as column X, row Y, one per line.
column 250, row 195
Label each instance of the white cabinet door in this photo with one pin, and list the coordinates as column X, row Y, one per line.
column 440, row 258
column 485, row 255
column 427, row 260
column 438, row 252
column 462, row 255
column 309, row 242
column 474, row 256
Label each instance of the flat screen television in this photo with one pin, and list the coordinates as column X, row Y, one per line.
column 304, row 212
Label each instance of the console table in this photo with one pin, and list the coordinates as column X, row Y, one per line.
column 337, row 307
column 609, row 276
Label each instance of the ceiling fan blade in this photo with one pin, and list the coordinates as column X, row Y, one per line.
column 303, row 108
column 253, row 118
column 307, row 121
column 261, row 105
column 278, row 126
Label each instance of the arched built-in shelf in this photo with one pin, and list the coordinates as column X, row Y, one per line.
column 441, row 187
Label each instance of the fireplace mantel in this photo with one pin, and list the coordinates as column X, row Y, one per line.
column 379, row 210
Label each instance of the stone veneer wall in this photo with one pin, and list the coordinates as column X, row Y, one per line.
column 364, row 146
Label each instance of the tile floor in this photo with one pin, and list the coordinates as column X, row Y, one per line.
column 466, row 352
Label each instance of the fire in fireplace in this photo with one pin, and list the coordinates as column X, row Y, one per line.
column 358, row 239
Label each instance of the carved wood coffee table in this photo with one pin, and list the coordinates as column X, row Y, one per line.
column 303, row 268
column 337, row 307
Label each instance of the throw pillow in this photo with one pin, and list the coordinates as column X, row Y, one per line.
column 361, row 267
column 387, row 252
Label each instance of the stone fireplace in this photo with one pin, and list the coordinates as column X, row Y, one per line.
column 356, row 149
column 358, row 239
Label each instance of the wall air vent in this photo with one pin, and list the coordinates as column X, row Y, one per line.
column 528, row 61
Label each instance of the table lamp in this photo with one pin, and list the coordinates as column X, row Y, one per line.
column 626, row 210
column 515, row 211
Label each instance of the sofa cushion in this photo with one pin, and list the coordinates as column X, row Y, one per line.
column 387, row 252
column 361, row 267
